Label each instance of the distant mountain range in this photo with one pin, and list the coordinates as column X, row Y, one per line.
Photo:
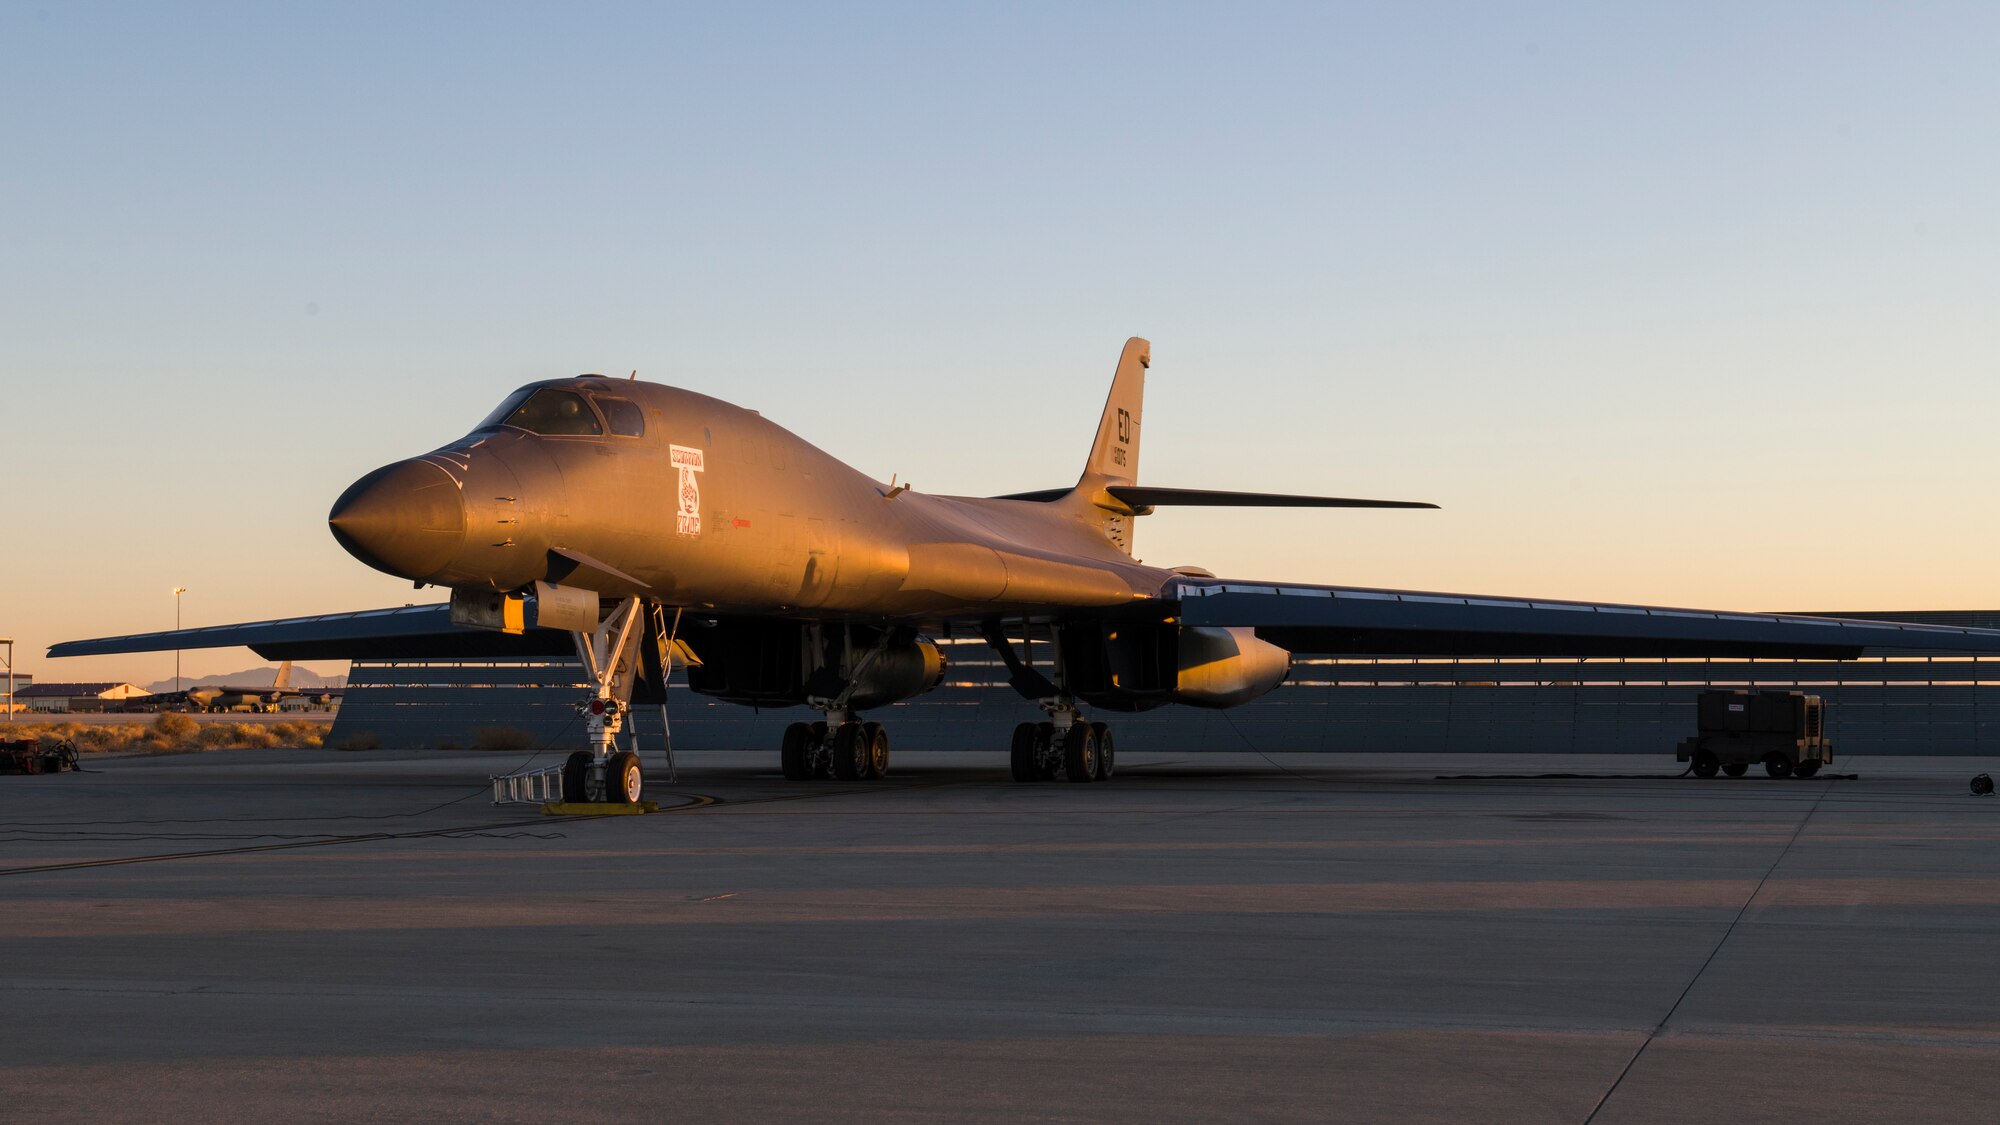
column 253, row 677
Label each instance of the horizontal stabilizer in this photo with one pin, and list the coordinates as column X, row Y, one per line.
column 1141, row 496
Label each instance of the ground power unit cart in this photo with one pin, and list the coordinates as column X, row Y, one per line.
column 1785, row 730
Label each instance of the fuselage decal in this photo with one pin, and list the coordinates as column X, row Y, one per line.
column 689, row 461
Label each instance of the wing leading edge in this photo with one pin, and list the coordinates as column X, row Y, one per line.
column 1343, row 620
column 415, row 632
column 1328, row 620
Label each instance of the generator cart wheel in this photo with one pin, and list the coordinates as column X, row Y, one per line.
column 1777, row 765
column 1805, row 769
column 1736, row 769
column 1705, row 763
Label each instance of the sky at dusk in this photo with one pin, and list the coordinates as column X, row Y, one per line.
column 1685, row 304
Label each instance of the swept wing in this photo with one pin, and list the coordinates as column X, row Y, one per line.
column 1354, row 620
column 1318, row 620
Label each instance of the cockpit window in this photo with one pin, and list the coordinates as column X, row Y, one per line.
column 623, row 416
column 554, row 413
column 501, row 412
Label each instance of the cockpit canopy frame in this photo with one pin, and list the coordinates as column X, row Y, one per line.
column 560, row 409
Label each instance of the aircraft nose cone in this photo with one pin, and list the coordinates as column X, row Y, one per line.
column 407, row 519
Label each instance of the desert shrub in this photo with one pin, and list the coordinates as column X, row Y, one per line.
column 254, row 736
column 99, row 737
column 503, row 738
column 303, row 735
column 360, row 740
column 171, row 733
column 172, row 728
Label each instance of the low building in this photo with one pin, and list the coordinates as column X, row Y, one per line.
column 76, row 698
column 8, row 703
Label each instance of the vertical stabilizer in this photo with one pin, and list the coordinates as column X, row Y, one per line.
column 1114, row 456
column 284, row 677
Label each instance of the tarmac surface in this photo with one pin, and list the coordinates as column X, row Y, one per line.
column 326, row 936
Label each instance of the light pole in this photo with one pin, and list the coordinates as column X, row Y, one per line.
column 178, row 591
column 9, row 642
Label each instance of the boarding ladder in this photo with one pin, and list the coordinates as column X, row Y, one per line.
column 533, row 787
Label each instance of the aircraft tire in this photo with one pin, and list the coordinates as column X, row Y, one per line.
column 850, row 752
column 576, row 777
column 795, row 752
column 1805, row 769
column 878, row 751
column 1736, row 769
column 1777, row 765
column 1080, row 753
column 624, row 781
column 819, row 757
column 1023, row 760
column 1705, row 764
column 1048, row 756
column 1103, row 735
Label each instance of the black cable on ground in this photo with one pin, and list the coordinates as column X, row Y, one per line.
column 1622, row 777
column 544, row 748
column 1709, row 960
column 456, row 832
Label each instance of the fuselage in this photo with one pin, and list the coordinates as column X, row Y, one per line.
column 708, row 504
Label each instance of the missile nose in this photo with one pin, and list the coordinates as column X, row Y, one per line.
column 407, row 519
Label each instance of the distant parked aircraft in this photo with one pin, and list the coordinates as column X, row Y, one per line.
column 230, row 697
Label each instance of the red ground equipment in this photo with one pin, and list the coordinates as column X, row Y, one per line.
column 32, row 755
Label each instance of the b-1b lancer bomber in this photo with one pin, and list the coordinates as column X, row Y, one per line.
column 633, row 525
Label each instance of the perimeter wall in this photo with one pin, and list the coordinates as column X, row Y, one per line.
column 1912, row 704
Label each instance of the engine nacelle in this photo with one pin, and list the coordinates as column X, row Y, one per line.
column 1137, row 666
column 900, row 672
column 1226, row 667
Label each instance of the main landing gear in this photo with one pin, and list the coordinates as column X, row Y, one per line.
column 843, row 747
column 1080, row 752
column 1064, row 746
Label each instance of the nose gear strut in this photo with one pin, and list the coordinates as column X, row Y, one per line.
column 611, row 656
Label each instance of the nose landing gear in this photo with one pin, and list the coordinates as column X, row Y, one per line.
column 611, row 657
